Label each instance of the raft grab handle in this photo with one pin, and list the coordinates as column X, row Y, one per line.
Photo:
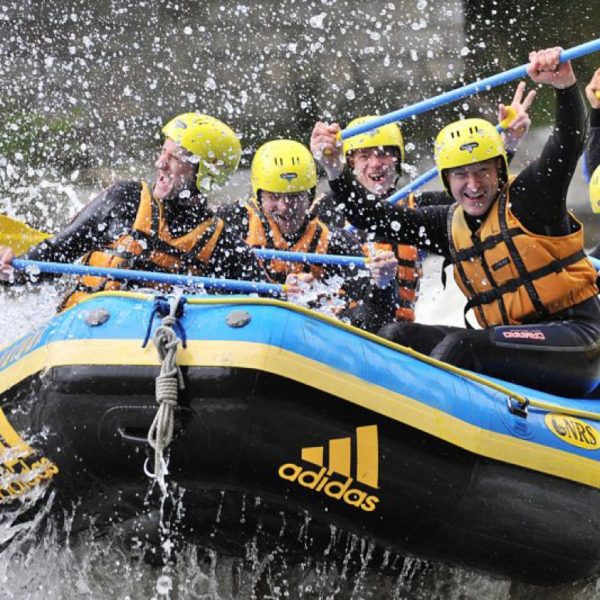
column 134, row 435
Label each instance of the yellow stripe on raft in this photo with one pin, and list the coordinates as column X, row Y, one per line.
column 480, row 379
column 293, row 366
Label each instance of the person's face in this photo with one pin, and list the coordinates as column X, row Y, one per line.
column 175, row 171
column 475, row 186
column 287, row 210
column 376, row 169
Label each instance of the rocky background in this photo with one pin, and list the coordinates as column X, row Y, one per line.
column 87, row 85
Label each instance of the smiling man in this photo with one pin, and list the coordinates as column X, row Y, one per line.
column 517, row 253
column 168, row 228
column 374, row 161
column 284, row 180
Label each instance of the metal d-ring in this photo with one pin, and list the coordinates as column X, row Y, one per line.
column 517, row 408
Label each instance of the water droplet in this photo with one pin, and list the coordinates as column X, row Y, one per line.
column 316, row 21
column 164, row 584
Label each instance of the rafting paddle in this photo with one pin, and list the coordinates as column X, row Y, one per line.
column 462, row 92
column 21, row 237
column 212, row 283
column 31, row 235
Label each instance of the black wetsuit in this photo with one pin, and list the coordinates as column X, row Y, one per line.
column 111, row 214
column 568, row 361
column 592, row 154
column 330, row 208
column 368, row 306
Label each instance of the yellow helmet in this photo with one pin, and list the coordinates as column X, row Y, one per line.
column 595, row 190
column 466, row 142
column 214, row 143
column 283, row 167
column 385, row 135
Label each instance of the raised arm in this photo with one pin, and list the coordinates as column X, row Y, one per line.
column 539, row 194
column 105, row 218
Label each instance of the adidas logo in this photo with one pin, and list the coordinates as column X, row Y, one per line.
column 339, row 453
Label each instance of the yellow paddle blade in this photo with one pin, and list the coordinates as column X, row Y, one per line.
column 18, row 236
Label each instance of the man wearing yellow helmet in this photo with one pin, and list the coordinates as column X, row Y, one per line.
column 284, row 180
column 374, row 161
column 592, row 153
column 517, row 253
column 169, row 228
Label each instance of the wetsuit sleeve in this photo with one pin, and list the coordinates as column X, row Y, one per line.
column 368, row 306
column 232, row 258
column 538, row 195
column 235, row 217
column 327, row 209
column 101, row 221
column 423, row 199
column 104, row 219
column 422, row 227
column 592, row 153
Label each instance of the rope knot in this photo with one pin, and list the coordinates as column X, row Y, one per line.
column 166, row 388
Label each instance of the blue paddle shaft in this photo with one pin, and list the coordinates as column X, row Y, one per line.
column 312, row 258
column 595, row 262
column 206, row 282
column 463, row 92
column 232, row 285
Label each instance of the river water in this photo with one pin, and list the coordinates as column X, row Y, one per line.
column 36, row 562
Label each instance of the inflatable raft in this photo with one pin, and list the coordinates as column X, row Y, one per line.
column 292, row 428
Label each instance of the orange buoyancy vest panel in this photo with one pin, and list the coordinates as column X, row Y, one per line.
column 409, row 271
column 151, row 246
column 263, row 232
column 408, row 275
column 513, row 276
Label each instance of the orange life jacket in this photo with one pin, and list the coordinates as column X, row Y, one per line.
column 409, row 271
column 263, row 232
column 513, row 276
column 408, row 275
column 149, row 245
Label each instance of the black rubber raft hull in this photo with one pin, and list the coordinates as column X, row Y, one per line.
column 239, row 437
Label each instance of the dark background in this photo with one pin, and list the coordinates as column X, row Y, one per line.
column 87, row 85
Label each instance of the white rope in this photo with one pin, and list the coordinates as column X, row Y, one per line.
column 168, row 383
